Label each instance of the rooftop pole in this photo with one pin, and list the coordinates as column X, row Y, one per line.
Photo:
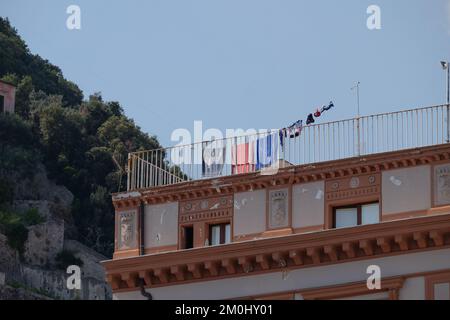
column 445, row 66
column 357, row 118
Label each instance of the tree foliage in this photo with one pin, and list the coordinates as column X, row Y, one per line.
column 15, row 58
column 76, row 140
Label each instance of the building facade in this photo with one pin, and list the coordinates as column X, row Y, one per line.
column 305, row 232
column 7, row 97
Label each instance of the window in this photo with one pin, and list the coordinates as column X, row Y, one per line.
column 188, row 239
column 437, row 286
column 219, row 234
column 2, row 104
column 356, row 215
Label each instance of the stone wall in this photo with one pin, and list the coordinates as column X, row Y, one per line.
column 51, row 282
column 36, row 273
column 45, row 240
column 10, row 293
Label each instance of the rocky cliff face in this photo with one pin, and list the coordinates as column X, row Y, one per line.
column 38, row 272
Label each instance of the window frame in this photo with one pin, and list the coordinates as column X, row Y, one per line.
column 223, row 229
column 358, row 207
column 183, row 238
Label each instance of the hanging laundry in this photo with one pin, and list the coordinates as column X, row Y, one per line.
column 213, row 158
column 326, row 108
column 317, row 113
column 296, row 129
column 266, row 151
column 243, row 158
column 310, row 119
column 282, row 135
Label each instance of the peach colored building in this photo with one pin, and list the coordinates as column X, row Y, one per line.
column 308, row 230
column 7, row 97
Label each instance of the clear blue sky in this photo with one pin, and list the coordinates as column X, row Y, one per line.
column 242, row 63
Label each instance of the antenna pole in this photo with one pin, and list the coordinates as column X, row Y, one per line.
column 358, row 146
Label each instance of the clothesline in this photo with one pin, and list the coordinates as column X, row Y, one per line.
column 257, row 154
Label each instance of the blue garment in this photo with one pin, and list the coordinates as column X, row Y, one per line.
column 266, row 151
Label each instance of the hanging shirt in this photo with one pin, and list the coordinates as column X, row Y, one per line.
column 213, row 158
column 243, row 158
column 267, row 151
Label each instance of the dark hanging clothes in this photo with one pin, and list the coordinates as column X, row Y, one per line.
column 296, row 129
column 310, row 119
column 281, row 134
column 326, row 108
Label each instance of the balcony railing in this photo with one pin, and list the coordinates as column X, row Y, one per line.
column 316, row 143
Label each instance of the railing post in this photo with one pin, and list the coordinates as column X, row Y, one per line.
column 448, row 102
column 129, row 172
column 358, row 135
column 448, row 122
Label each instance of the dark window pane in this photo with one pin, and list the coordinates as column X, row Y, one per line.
column 188, row 237
column 2, row 104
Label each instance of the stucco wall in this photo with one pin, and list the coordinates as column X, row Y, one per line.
column 308, row 204
column 308, row 278
column 406, row 190
column 161, row 225
column 249, row 213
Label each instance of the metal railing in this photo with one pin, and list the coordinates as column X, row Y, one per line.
column 316, row 143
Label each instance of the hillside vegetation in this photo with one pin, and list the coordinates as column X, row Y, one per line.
column 74, row 138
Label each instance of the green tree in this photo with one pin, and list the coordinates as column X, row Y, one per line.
column 16, row 58
column 82, row 144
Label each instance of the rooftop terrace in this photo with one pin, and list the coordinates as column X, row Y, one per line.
column 265, row 152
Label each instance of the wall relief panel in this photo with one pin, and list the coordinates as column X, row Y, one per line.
column 127, row 230
column 278, row 209
column 442, row 184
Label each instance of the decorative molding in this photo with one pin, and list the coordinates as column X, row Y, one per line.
column 287, row 252
column 344, row 168
column 353, row 187
column 205, row 209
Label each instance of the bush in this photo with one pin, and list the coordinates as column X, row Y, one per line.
column 6, row 192
column 67, row 258
column 14, row 229
column 32, row 217
column 17, row 236
column 14, row 225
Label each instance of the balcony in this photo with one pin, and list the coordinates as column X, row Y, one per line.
column 266, row 152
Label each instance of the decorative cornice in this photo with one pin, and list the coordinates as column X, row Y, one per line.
column 280, row 253
column 343, row 168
